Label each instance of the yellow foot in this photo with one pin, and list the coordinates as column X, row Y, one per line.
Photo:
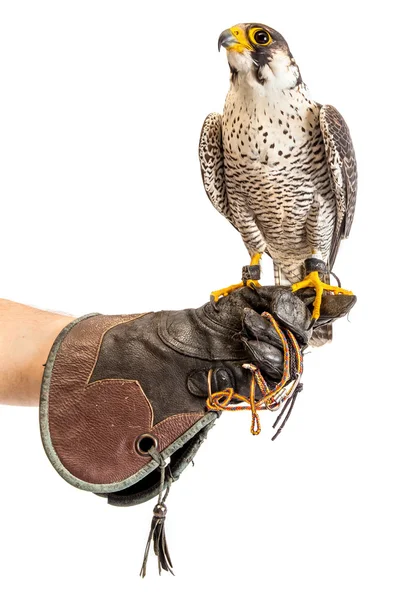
column 231, row 288
column 253, row 283
column 225, row 291
column 255, row 260
column 313, row 280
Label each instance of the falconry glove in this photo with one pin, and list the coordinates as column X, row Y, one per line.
column 123, row 406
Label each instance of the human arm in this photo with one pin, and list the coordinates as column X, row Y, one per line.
column 26, row 336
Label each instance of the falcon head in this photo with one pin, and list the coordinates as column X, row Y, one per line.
column 259, row 54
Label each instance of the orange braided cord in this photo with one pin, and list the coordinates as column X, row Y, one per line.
column 271, row 399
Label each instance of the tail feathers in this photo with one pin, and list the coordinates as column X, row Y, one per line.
column 322, row 335
column 277, row 274
column 279, row 277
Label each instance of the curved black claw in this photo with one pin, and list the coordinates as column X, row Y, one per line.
column 311, row 324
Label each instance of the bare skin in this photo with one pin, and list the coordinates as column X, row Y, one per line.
column 26, row 336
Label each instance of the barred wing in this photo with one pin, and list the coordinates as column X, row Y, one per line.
column 342, row 164
column 211, row 158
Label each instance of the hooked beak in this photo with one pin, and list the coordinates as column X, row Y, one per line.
column 234, row 39
column 226, row 39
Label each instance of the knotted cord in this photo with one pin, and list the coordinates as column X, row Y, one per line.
column 281, row 394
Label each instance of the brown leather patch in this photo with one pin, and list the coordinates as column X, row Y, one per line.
column 93, row 427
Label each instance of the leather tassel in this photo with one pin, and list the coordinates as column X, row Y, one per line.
column 157, row 533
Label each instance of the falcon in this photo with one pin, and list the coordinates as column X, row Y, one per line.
column 279, row 166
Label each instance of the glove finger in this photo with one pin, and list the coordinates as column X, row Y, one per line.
column 267, row 357
column 291, row 312
column 332, row 307
column 222, row 378
column 263, row 343
column 259, row 328
column 283, row 304
column 229, row 309
column 258, row 298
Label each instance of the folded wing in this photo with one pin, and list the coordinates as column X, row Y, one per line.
column 211, row 156
column 343, row 170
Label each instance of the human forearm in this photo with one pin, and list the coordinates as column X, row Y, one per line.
column 26, row 336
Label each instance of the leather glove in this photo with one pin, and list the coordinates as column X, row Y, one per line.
column 115, row 387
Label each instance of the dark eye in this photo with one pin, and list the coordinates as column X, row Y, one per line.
column 261, row 37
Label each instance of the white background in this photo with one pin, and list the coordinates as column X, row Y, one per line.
column 102, row 209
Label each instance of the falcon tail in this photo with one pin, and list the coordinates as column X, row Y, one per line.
column 321, row 336
column 277, row 275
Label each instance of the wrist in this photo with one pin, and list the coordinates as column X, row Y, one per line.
column 26, row 336
column 40, row 347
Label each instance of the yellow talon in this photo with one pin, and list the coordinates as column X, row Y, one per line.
column 225, row 291
column 313, row 280
column 252, row 283
column 231, row 288
column 255, row 260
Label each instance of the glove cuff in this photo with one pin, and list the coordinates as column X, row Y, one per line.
column 95, row 432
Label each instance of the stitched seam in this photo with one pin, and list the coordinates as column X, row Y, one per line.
column 101, row 340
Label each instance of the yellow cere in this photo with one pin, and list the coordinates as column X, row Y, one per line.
column 241, row 38
column 252, row 33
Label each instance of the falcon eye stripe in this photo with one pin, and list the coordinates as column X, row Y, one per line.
column 260, row 37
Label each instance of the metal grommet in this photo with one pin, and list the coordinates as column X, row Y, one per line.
column 144, row 443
